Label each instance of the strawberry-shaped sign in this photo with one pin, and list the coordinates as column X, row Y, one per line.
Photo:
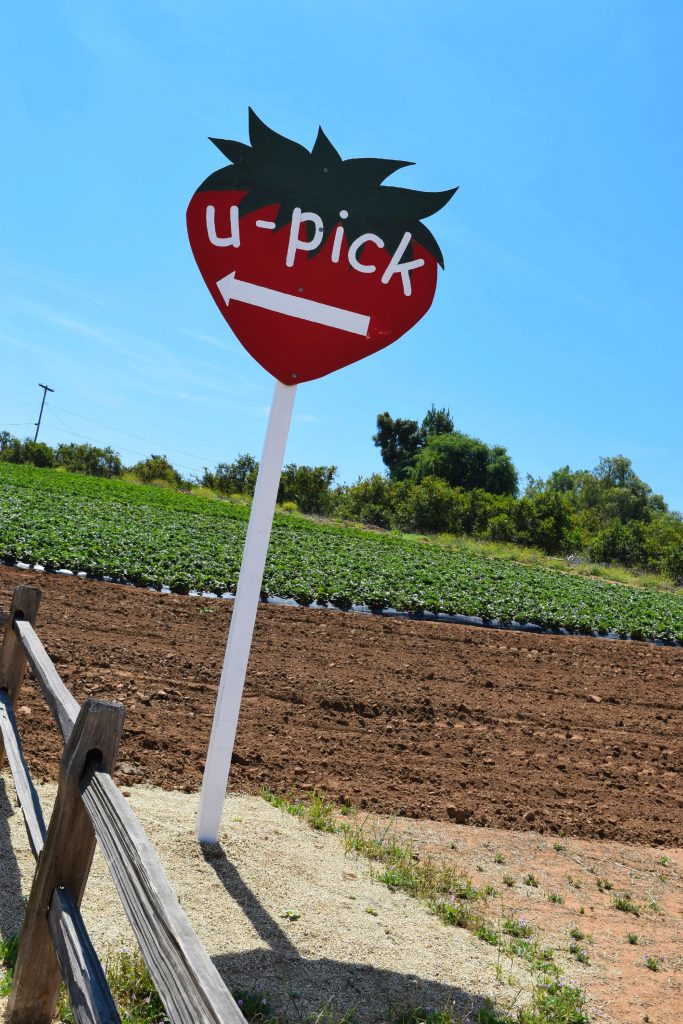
column 312, row 260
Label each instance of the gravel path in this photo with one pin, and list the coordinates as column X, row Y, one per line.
column 267, row 863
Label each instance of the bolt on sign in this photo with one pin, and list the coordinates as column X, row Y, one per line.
column 314, row 263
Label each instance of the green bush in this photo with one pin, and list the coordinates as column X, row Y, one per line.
column 238, row 477
column 35, row 453
column 308, row 486
column 87, row 458
column 543, row 521
column 156, row 468
column 673, row 563
column 620, row 542
column 501, row 527
column 369, row 501
column 427, row 507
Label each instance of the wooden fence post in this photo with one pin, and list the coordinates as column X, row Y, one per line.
column 25, row 602
column 64, row 861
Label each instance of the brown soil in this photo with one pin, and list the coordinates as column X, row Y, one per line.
column 584, row 879
column 510, row 730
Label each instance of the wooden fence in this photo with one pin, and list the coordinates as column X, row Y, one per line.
column 89, row 808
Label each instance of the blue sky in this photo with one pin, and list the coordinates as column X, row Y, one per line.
column 556, row 327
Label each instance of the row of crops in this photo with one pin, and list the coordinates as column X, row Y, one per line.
column 155, row 537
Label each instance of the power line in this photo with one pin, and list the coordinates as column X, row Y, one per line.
column 56, row 409
column 138, row 437
column 87, row 437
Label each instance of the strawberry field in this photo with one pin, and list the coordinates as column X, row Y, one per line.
column 159, row 538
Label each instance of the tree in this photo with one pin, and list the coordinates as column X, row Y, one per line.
column 437, row 421
column 238, row 477
column 610, row 492
column 464, row 461
column 7, row 441
column 398, row 441
column 87, row 458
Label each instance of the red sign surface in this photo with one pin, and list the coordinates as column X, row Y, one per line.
column 313, row 262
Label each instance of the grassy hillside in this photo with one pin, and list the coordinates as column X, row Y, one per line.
column 157, row 537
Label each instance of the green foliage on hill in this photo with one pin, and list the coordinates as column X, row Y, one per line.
column 440, row 481
column 158, row 537
column 443, row 481
column 79, row 458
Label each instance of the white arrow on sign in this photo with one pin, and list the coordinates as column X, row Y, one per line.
column 231, row 288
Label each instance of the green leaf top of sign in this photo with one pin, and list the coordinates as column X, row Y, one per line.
column 276, row 170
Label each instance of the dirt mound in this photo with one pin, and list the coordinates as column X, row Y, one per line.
column 279, row 906
column 426, row 719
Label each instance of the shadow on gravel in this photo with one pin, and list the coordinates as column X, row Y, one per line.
column 299, row 986
column 11, row 904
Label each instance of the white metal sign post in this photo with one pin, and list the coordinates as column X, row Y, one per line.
column 236, row 659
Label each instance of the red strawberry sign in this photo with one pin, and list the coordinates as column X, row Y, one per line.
column 315, row 264
column 311, row 259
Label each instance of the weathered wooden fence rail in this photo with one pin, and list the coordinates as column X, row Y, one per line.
column 89, row 808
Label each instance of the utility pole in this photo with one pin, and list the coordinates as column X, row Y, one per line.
column 42, row 406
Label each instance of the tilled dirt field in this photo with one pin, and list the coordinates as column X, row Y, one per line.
column 429, row 720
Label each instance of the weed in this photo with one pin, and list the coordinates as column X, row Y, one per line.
column 318, row 812
column 460, row 915
column 632, row 938
column 664, row 860
column 284, row 803
column 539, row 958
column 579, row 953
column 499, row 859
column 489, row 890
column 255, row 1006
column 517, row 927
column 653, row 963
column 133, row 990
column 555, row 1003
column 509, row 881
column 291, row 915
column 9, row 948
column 487, row 934
column 559, row 847
column 573, row 882
column 532, row 881
column 604, row 885
column 372, row 911
column 447, row 892
column 577, row 934
column 626, row 904
column 554, row 897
